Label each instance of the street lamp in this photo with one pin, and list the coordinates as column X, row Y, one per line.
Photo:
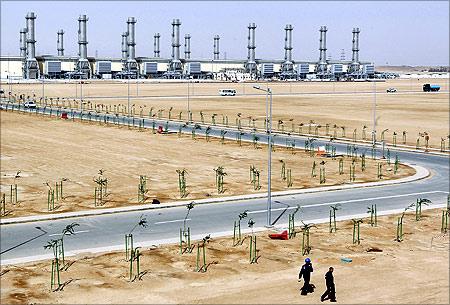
column 374, row 130
column 188, row 99
column 269, row 147
column 128, row 108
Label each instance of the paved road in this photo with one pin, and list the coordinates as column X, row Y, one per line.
column 25, row 241
column 253, row 94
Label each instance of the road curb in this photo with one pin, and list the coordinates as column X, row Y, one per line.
column 421, row 173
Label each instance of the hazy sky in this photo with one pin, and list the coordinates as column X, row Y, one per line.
column 409, row 33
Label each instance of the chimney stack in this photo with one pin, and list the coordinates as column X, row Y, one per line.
column 156, row 45
column 60, row 43
column 216, row 47
column 187, row 46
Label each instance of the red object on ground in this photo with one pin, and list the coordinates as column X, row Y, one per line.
column 283, row 235
column 160, row 129
column 64, row 115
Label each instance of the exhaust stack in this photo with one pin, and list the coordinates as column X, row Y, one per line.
column 124, row 46
column 354, row 67
column 60, row 43
column 175, row 64
column 187, row 46
column 288, row 66
column 132, row 66
column 216, row 47
column 156, row 45
column 251, row 64
column 23, row 43
column 31, row 65
column 322, row 64
column 83, row 67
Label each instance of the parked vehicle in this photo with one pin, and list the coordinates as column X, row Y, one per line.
column 390, row 90
column 428, row 88
column 227, row 92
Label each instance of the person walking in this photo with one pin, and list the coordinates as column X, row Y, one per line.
column 305, row 272
column 330, row 293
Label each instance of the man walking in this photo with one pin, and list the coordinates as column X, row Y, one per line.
column 305, row 272
column 330, row 293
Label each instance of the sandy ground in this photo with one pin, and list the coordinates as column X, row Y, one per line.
column 415, row 271
column 320, row 102
column 48, row 150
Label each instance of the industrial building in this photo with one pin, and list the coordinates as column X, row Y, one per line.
column 28, row 65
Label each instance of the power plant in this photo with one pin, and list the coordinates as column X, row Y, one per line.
column 175, row 67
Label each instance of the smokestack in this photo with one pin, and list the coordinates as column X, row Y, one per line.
column 176, row 39
column 23, row 43
column 83, row 66
column 355, row 50
column 60, row 43
column 82, row 36
column 131, row 22
column 124, row 46
column 31, row 67
column 288, row 43
column 216, row 46
column 187, row 46
column 251, row 64
column 323, row 49
column 156, row 44
column 31, row 50
column 287, row 65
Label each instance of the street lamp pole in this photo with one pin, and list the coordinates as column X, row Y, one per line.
column 269, row 147
column 188, row 100
column 128, row 108
column 374, row 131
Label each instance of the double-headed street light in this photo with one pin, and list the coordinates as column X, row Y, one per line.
column 269, row 147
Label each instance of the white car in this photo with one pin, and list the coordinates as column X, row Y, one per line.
column 227, row 92
column 30, row 104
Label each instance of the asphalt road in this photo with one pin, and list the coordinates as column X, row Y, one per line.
column 106, row 232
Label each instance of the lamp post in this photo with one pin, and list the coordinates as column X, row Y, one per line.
column 43, row 90
column 128, row 107
column 188, row 97
column 374, row 130
column 269, row 147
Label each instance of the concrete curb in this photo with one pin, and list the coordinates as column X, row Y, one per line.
column 196, row 237
column 421, row 173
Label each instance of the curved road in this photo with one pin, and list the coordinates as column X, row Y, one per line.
column 24, row 242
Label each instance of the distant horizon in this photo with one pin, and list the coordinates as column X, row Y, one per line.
column 392, row 33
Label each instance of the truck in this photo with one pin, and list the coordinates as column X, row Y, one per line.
column 428, row 88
